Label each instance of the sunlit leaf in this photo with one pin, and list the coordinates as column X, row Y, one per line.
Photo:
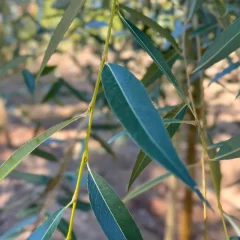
column 230, row 149
column 69, row 15
column 233, row 224
column 130, row 102
column 28, row 147
column 112, row 215
column 29, row 80
column 227, row 42
column 153, row 25
column 47, row 228
column 155, row 54
column 143, row 160
column 12, row 64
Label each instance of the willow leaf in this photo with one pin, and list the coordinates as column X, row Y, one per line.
column 130, row 102
column 227, row 42
column 111, row 213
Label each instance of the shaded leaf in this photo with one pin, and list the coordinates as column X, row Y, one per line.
column 32, row 209
column 238, row 95
column 227, row 42
column 29, row 146
column 47, row 70
column 155, row 54
column 153, row 25
column 203, row 29
column 148, row 185
column 112, row 215
column 69, row 15
column 47, row 228
column 44, row 154
column 143, row 124
column 226, row 71
column 18, row 227
column 143, row 160
column 33, row 178
column 195, row 5
column 29, row 80
column 118, row 135
column 63, row 228
column 83, row 206
column 230, row 149
column 12, row 64
column 52, row 91
column 105, row 126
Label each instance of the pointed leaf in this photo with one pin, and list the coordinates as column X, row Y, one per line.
column 29, row 80
column 47, row 228
column 227, row 42
column 155, row 54
column 29, row 146
column 142, row 159
column 47, row 70
column 153, row 25
column 149, row 184
column 230, row 149
column 44, row 154
column 69, row 15
column 238, row 95
column 52, row 91
column 130, row 102
column 112, row 215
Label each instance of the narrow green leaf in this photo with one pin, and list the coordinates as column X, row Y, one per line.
column 47, row 228
column 203, row 29
column 233, row 224
column 148, row 185
column 153, row 25
column 130, row 102
column 103, row 143
column 36, row 179
column 52, row 91
column 230, row 149
column 47, row 70
column 32, row 209
column 18, row 227
column 155, row 54
column 28, row 147
column 238, row 95
column 12, row 64
column 105, row 126
column 215, row 169
column 44, row 154
column 142, row 159
column 29, row 80
column 69, row 15
column 111, row 213
column 227, row 42
column 118, row 135
column 83, row 206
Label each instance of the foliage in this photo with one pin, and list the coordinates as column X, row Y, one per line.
column 134, row 102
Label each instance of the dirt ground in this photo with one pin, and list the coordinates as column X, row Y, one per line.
column 149, row 209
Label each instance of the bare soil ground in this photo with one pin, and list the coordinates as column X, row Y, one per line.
column 149, row 209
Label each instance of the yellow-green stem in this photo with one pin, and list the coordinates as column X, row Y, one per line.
column 91, row 112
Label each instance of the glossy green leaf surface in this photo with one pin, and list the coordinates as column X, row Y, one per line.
column 131, row 104
column 153, row 25
column 47, row 228
column 230, row 149
column 227, row 42
column 142, row 159
column 68, row 17
column 154, row 53
column 111, row 213
column 29, row 146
